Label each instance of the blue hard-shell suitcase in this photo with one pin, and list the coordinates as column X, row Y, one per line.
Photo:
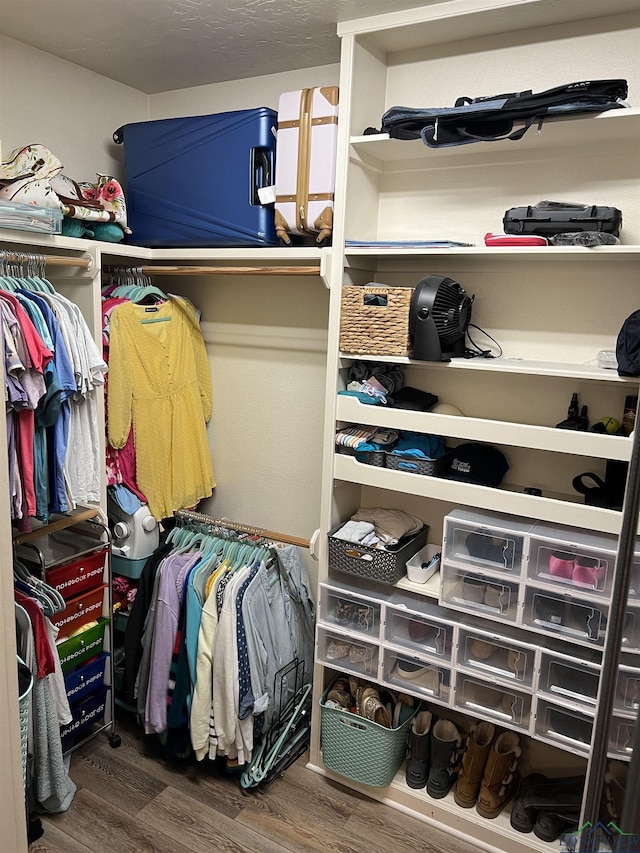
column 193, row 182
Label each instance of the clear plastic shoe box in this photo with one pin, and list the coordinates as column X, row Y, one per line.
column 567, row 679
column 347, row 610
column 428, row 632
column 494, row 542
column 510, row 708
column 564, row 727
column 417, row 676
column 627, row 699
column 347, row 653
column 554, row 613
column 474, row 592
column 572, row 561
column 496, row 656
column 621, row 736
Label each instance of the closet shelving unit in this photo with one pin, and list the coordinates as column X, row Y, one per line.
column 552, row 309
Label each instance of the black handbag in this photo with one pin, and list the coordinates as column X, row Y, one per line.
column 488, row 119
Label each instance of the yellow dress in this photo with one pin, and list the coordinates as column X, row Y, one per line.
column 159, row 383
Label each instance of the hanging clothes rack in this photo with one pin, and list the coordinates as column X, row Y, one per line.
column 194, row 270
column 48, row 260
column 198, row 518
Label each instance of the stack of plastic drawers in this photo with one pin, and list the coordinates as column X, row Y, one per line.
column 554, row 582
column 77, row 565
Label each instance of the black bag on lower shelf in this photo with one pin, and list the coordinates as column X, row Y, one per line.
column 488, row 119
column 555, row 217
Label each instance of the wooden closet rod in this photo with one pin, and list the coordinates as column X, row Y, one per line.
column 192, row 270
column 199, row 518
column 49, row 260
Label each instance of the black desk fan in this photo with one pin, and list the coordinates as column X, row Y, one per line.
column 439, row 316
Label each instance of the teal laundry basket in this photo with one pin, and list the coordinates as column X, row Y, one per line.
column 25, row 680
column 360, row 749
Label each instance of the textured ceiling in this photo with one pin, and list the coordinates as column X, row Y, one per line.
column 161, row 45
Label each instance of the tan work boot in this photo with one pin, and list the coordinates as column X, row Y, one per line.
column 473, row 764
column 500, row 777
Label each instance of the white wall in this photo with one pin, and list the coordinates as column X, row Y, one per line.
column 70, row 110
column 239, row 94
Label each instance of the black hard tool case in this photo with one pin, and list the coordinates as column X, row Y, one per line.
column 549, row 217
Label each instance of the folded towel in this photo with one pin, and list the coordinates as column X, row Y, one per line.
column 354, row 531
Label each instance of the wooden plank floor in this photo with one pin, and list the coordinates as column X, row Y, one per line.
column 137, row 800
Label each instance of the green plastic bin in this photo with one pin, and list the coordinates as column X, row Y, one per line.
column 360, row 749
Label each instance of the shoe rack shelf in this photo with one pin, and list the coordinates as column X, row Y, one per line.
column 500, row 673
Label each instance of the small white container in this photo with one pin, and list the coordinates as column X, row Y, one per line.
column 415, row 571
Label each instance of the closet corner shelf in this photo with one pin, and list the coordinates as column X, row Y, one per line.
column 602, row 128
column 508, row 433
column 430, row 589
column 506, row 364
column 628, row 252
column 546, row 508
column 60, row 522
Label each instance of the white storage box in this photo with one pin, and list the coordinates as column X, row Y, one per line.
column 567, row 679
column 494, row 656
column 571, row 617
column 566, row 728
column 348, row 611
column 574, row 561
column 421, row 633
column 627, row 697
column 621, row 735
column 492, row 542
column 417, row 676
column 479, row 594
column 424, row 564
column 351, row 654
column 504, row 705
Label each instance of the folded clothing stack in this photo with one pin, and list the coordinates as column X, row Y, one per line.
column 364, row 438
column 376, row 527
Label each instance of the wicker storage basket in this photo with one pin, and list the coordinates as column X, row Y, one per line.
column 368, row 457
column 375, row 329
column 416, row 464
column 386, row 565
column 361, row 749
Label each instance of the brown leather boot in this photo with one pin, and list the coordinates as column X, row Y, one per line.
column 500, row 777
column 473, row 763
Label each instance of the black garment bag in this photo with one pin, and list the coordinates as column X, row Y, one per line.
column 488, row 119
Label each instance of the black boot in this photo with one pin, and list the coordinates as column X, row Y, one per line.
column 446, row 758
column 549, row 826
column 419, row 750
column 523, row 817
column 554, row 795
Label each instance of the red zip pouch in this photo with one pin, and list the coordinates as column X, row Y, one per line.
column 491, row 239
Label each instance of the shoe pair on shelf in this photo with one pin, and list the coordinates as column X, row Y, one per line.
column 481, row 592
column 339, row 649
column 481, row 650
column 377, row 704
column 547, row 807
column 481, row 765
column 585, row 572
column 492, row 549
column 359, row 616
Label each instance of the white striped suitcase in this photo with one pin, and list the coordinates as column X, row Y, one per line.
column 306, row 163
